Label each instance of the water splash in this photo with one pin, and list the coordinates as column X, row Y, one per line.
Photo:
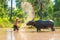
column 28, row 8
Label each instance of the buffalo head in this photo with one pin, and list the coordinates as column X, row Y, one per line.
column 30, row 23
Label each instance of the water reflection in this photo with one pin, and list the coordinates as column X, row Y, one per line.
column 29, row 34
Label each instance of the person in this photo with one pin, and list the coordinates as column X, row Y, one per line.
column 16, row 24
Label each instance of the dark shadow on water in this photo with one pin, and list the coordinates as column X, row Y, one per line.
column 36, row 31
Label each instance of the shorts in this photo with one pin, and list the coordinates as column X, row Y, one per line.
column 15, row 28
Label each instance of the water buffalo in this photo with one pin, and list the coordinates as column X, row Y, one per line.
column 42, row 24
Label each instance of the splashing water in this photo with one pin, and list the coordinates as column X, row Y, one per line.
column 28, row 8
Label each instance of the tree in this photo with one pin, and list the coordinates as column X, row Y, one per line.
column 56, row 14
column 43, row 6
column 57, row 6
column 18, row 3
column 3, row 8
column 18, row 13
column 47, row 6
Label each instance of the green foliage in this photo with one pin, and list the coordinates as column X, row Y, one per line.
column 18, row 3
column 18, row 13
column 3, row 8
column 49, row 11
column 57, row 6
column 56, row 16
column 5, row 23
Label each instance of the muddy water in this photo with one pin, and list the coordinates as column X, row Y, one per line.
column 29, row 34
column 2, row 34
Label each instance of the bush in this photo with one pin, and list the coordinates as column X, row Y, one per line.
column 4, row 23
